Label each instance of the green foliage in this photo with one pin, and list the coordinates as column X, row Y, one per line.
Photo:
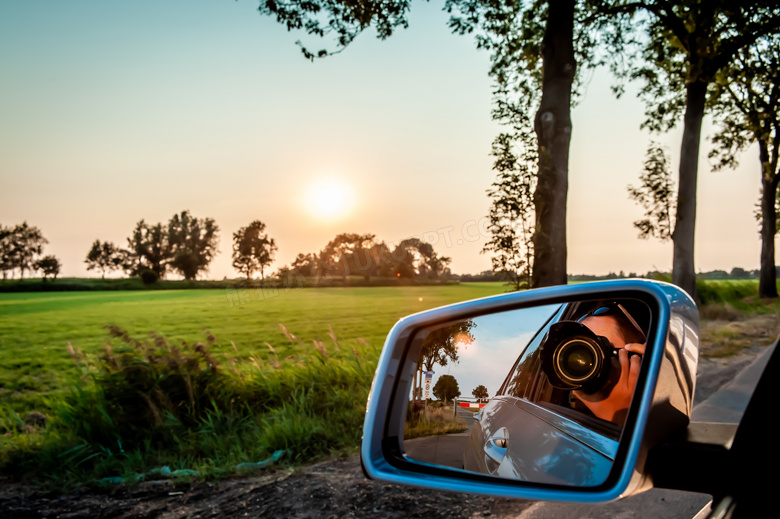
column 726, row 291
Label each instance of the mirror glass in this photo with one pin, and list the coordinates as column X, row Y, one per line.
column 538, row 394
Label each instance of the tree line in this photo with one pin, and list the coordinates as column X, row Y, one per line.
column 689, row 58
column 186, row 245
column 363, row 255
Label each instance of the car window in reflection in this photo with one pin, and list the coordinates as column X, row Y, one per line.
column 585, row 361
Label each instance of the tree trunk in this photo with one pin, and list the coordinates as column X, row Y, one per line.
column 683, row 271
column 553, row 130
column 767, row 280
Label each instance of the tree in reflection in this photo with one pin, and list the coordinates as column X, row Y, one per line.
column 480, row 393
column 441, row 346
column 446, row 388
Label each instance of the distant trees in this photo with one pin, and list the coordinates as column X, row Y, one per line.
column 148, row 248
column 49, row 266
column 348, row 253
column 193, row 243
column 353, row 254
column 187, row 245
column 105, row 257
column 20, row 247
column 253, row 250
column 416, row 258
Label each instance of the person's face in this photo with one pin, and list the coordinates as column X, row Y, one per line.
column 607, row 326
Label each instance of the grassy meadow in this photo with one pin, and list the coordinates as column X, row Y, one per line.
column 114, row 384
column 35, row 328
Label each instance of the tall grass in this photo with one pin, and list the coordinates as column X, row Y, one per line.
column 146, row 404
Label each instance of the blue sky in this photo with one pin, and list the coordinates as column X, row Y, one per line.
column 113, row 112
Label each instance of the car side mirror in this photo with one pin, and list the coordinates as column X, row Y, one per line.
column 581, row 381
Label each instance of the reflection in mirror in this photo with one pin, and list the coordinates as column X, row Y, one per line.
column 538, row 394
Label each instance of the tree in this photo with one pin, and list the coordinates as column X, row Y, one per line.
column 656, row 195
column 338, row 256
column 480, row 393
column 149, row 247
column 687, row 44
column 414, row 257
column 446, row 388
column 441, row 347
column 49, row 266
column 747, row 100
column 193, row 243
column 6, row 246
column 307, row 265
column 512, row 213
column 25, row 243
column 253, row 250
column 105, row 257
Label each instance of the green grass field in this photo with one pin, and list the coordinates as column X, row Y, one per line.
column 35, row 328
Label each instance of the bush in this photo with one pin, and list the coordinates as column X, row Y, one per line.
column 725, row 291
column 148, row 276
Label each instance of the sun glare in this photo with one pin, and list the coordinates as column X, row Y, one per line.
column 329, row 199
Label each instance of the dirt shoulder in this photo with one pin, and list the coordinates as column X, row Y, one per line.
column 329, row 489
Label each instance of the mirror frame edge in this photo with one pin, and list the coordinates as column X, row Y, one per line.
column 632, row 475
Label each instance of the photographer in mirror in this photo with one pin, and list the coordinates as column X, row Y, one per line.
column 597, row 357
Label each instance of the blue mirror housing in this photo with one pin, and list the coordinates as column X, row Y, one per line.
column 661, row 403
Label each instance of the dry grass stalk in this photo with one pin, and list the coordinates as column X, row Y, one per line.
column 320, row 346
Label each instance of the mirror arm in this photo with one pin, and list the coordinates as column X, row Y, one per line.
column 693, row 460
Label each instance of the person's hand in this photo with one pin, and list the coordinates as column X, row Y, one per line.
column 611, row 402
column 634, row 347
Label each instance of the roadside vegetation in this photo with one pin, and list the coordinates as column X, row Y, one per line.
column 148, row 407
column 124, row 386
column 431, row 419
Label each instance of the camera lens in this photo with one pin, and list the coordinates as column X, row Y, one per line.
column 576, row 361
column 573, row 357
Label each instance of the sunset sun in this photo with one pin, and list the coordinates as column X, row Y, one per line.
column 329, row 199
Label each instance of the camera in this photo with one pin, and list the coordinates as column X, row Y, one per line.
column 573, row 357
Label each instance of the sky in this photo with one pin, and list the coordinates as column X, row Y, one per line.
column 113, row 112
